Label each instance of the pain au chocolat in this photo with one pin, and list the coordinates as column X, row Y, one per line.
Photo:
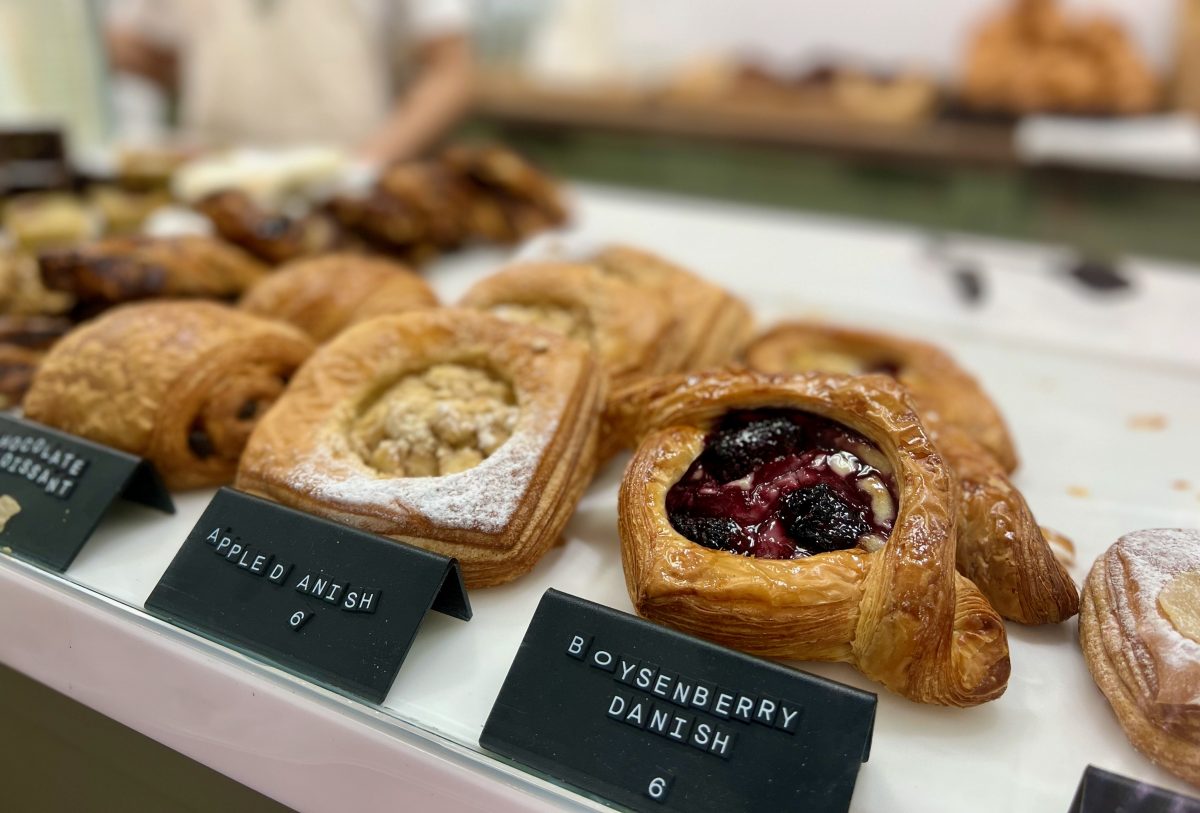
column 179, row 383
column 811, row 518
column 448, row 429
column 1000, row 545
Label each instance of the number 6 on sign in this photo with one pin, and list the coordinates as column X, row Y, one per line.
column 299, row 619
column 659, row 787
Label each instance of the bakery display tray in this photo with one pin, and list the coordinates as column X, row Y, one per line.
column 1100, row 394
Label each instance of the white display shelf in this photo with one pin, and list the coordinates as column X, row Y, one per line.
column 1100, row 393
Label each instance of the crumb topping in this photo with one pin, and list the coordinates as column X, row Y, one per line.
column 442, row 420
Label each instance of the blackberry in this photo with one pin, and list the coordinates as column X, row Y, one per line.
column 717, row 533
column 731, row 454
column 818, row 519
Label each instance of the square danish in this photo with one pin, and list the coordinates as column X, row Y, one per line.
column 448, row 429
column 807, row 518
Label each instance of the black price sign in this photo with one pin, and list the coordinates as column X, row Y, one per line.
column 55, row 487
column 654, row 720
column 319, row 599
column 1103, row 792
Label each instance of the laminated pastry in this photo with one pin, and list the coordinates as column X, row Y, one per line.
column 324, row 295
column 271, row 237
column 1139, row 627
column 121, row 269
column 711, row 325
column 508, row 199
column 628, row 332
column 179, row 383
column 944, row 392
column 1000, row 546
column 807, row 517
column 487, row 194
column 448, row 429
column 414, row 211
column 24, row 340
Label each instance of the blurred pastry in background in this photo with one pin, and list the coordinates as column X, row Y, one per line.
column 885, row 98
column 24, row 341
column 271, row 237
column 121, row 269
column 150, row 168
column 122, row 210
column 44, row 220
column 324, row 295
column 1033, row 58
column 468, row 194
column 825, row 90
column 22, row 290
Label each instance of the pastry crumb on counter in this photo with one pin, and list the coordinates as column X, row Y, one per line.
column 1181, row 485
column 9, row 508
column 1079, row 491
column 1148, row 422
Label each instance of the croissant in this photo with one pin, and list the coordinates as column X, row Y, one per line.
column 122, row 269
column 1140, row 632
column 324, row 295
column 448, row 429
column 1000, row 546
column 844, row 515
column 179, row 383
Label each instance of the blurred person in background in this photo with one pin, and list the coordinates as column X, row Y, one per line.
column 382, row 78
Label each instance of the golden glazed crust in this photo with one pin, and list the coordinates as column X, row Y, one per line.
column 711, row 325
column 1000, row 546
column 324, row 295
column 502, row 419
column 900, row 615
column 944, row 392
column 179, row 383
column 1147, row 668
column 626, row 331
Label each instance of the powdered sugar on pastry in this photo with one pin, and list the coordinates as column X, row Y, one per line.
column 1148, row 562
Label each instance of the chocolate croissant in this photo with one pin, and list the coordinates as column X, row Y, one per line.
column 810, row 518
column 179, row 383
column 324, row 295
column 123, row 269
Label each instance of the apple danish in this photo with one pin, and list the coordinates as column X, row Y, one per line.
column 179, row 383
column 324, row 295
column 448, row 429
column 1140, row 632
column 806, row 517
column 1000, row 546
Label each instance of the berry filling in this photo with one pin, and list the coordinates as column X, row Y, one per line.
column 783, row 484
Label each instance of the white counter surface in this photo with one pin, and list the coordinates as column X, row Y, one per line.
column 1101, row 393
